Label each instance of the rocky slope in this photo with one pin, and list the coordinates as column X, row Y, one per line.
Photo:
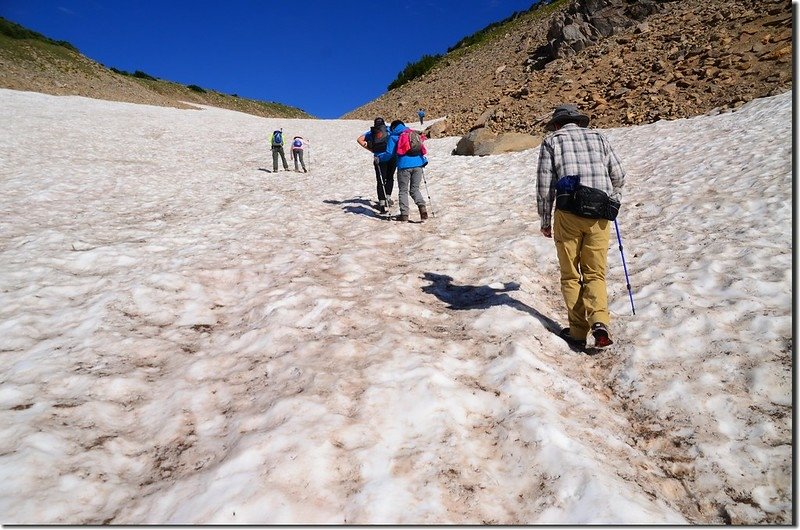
column 39, row 66
column 623, row 62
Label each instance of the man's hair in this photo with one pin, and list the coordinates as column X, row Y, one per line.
column 395, row 123
column 379, row 121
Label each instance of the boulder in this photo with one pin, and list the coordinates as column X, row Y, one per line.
column 513, row 142
column 483, row 142
column 484, row 118
column 473, row 141
column 437, row 130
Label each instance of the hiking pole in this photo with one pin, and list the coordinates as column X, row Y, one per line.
column 433, row 214
column 624, row 267
column 383, row 185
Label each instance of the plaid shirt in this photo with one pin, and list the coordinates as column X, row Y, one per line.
column 574, row 150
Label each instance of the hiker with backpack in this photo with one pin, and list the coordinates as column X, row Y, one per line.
column 277, row 150
column 580, row 172
column 421, row 114
column 407, row 146
column 375, row 141
column 298, row 145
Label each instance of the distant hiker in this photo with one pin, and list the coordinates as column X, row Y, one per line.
column 375, row 141
column 277, row 150
column 407, row 146
column 298, row 144
column 421, row 114
column 579, row 170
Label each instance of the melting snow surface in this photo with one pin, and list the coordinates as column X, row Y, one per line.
column 188, row 338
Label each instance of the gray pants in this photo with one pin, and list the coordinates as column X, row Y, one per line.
column 297, row 154
column 409, row 177
column 275, row 152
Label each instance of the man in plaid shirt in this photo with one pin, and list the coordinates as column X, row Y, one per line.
column 581, row 243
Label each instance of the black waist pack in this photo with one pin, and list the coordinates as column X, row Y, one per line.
column 573, row 197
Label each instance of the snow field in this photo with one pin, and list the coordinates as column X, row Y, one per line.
column 189, row 339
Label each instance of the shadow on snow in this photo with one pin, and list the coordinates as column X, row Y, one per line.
column 461, row 297
column 358, row 206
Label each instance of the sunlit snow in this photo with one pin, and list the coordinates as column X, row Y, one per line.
column 188, row 338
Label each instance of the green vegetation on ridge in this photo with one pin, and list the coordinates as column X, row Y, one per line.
column 417, row 69
column 42, row 56
column 428, row 62
column 15, row 31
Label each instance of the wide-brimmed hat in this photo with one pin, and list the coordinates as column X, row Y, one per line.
column 566, row 114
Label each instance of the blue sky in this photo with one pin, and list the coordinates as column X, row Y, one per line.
column 325, row 57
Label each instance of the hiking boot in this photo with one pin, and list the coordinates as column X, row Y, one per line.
column 381, row 208
column 402, row 218
column 565, row 334
column 601, row 337
column 423, row 212
column 391, row 202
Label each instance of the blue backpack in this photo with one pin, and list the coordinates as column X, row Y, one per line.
column 297, row 143
column 277, row 138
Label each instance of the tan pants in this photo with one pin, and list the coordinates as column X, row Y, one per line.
column 582, row 247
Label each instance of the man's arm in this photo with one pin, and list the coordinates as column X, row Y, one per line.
column 616, row 173
column 362, row 141
column 391, row 146
column 545, row 187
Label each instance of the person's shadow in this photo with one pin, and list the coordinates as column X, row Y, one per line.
column 358, row 206
column 461, row 297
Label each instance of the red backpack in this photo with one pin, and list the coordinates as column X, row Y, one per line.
column 411, row 143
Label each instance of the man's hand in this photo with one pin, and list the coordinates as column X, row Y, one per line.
column 547, row 231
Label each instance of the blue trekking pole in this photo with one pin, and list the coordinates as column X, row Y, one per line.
column 624, row 267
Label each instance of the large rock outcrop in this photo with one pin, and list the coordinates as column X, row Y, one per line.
column 582, row 24
column 623, row 62
column 482, row 142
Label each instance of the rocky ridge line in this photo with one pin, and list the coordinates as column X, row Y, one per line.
column 625, row 63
